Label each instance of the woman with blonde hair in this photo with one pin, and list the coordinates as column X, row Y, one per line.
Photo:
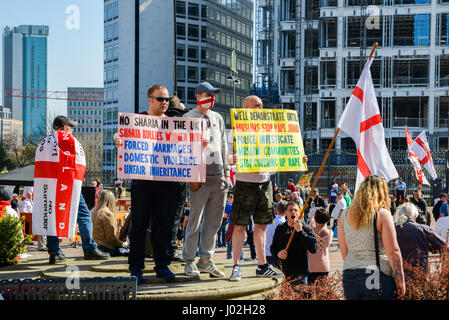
column 367, row 240
column 415, row 240
column 105, row 226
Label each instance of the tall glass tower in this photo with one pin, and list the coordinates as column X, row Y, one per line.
column 25, row 67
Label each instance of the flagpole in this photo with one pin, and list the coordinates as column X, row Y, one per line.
column 321, row 167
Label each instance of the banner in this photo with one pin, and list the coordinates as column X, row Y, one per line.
column 58, row 175
column 267, row 140
column 305, row 179
column 161, row 148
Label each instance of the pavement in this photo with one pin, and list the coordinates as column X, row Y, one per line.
column 182, row 288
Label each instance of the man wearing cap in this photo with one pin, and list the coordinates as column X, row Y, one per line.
column 207, row 200
column 333, row 197
column 84, row 219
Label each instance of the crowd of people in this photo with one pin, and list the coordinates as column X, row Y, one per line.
column 204, row 216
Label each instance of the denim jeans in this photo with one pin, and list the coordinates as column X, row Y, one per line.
column 355, row 285
column 221, row 234
column 229, row 251
column 85, row 228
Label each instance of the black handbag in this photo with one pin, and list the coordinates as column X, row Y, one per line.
column 376, row 246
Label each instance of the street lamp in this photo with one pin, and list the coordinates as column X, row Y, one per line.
column 235, row 81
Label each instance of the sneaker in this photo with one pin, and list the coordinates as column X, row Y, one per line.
column 191, row 270
column 56, row 258
column 177, row 257
column 164, row 273
column 136, row 272
column 268, row 272
column 236, row 274
column 210, row 268
column 96, row 254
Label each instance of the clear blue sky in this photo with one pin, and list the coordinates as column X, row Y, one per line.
column 75, row 56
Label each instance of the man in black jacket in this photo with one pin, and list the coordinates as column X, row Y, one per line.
column 420, row 203
column 437, row 206
column 294, row 262
column 175, row 109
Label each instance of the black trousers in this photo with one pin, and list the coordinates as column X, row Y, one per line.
column 179, row 212
column 154, row 201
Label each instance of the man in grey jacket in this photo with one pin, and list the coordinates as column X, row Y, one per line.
column 207, row 199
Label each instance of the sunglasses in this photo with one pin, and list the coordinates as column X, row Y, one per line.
column 160, row 99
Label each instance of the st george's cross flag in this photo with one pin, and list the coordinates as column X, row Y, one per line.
column 416, row 163
column 58, row 175
column 420, row 147
column 362, row 121
column 232, row 174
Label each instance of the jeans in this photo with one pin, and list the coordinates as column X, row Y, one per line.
column 85, row 228
column 229, row 251
column 156, row 201
column 221, row 234
column 356, row 283
column 115, row 252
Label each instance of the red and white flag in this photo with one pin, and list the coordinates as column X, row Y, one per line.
column 416, row 163
column 58, row 175
column 232, row 174
column 420, row 147
column 362, row 121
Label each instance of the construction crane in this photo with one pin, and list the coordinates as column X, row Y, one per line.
column 56, row 95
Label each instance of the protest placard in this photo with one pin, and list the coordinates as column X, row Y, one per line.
column 305, row 179
column 267, row 140
column 161, row 148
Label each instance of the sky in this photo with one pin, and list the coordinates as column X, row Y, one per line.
column 75, row 42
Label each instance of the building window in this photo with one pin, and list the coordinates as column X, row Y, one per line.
column 181, row 93
column 194, row 11
column 192, row 74
column 203, row 12
column 192, row 54
column 191, row 97
column 180, row 9
column 180, row 52
column 180, row 73
column 194, row 32
column 180, row 30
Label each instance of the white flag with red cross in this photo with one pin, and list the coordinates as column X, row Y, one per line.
column 416, row 163
column 58, row 175
column 362, row 121
column 420, row 147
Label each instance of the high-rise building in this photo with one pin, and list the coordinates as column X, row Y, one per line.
column 207, row 32
column 25, row 67
column 10, row 130
column 89, row 130
column 204, row 33
column 320, row 45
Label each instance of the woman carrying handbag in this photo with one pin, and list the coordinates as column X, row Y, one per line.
column 372, row 267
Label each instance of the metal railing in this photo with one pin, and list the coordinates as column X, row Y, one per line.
column 327, row 123
column 409, row 122
column 288, row 89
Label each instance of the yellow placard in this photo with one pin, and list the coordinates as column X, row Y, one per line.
column 305, row 179
column 267, row 140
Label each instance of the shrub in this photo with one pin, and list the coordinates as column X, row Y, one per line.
column 12, row 241
column 324, row 288
column 430, row 285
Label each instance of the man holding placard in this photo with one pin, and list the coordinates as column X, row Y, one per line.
column 152, row 201
column 271, row 143
column 207, row 199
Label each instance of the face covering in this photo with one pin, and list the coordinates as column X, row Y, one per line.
column 206, row 102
